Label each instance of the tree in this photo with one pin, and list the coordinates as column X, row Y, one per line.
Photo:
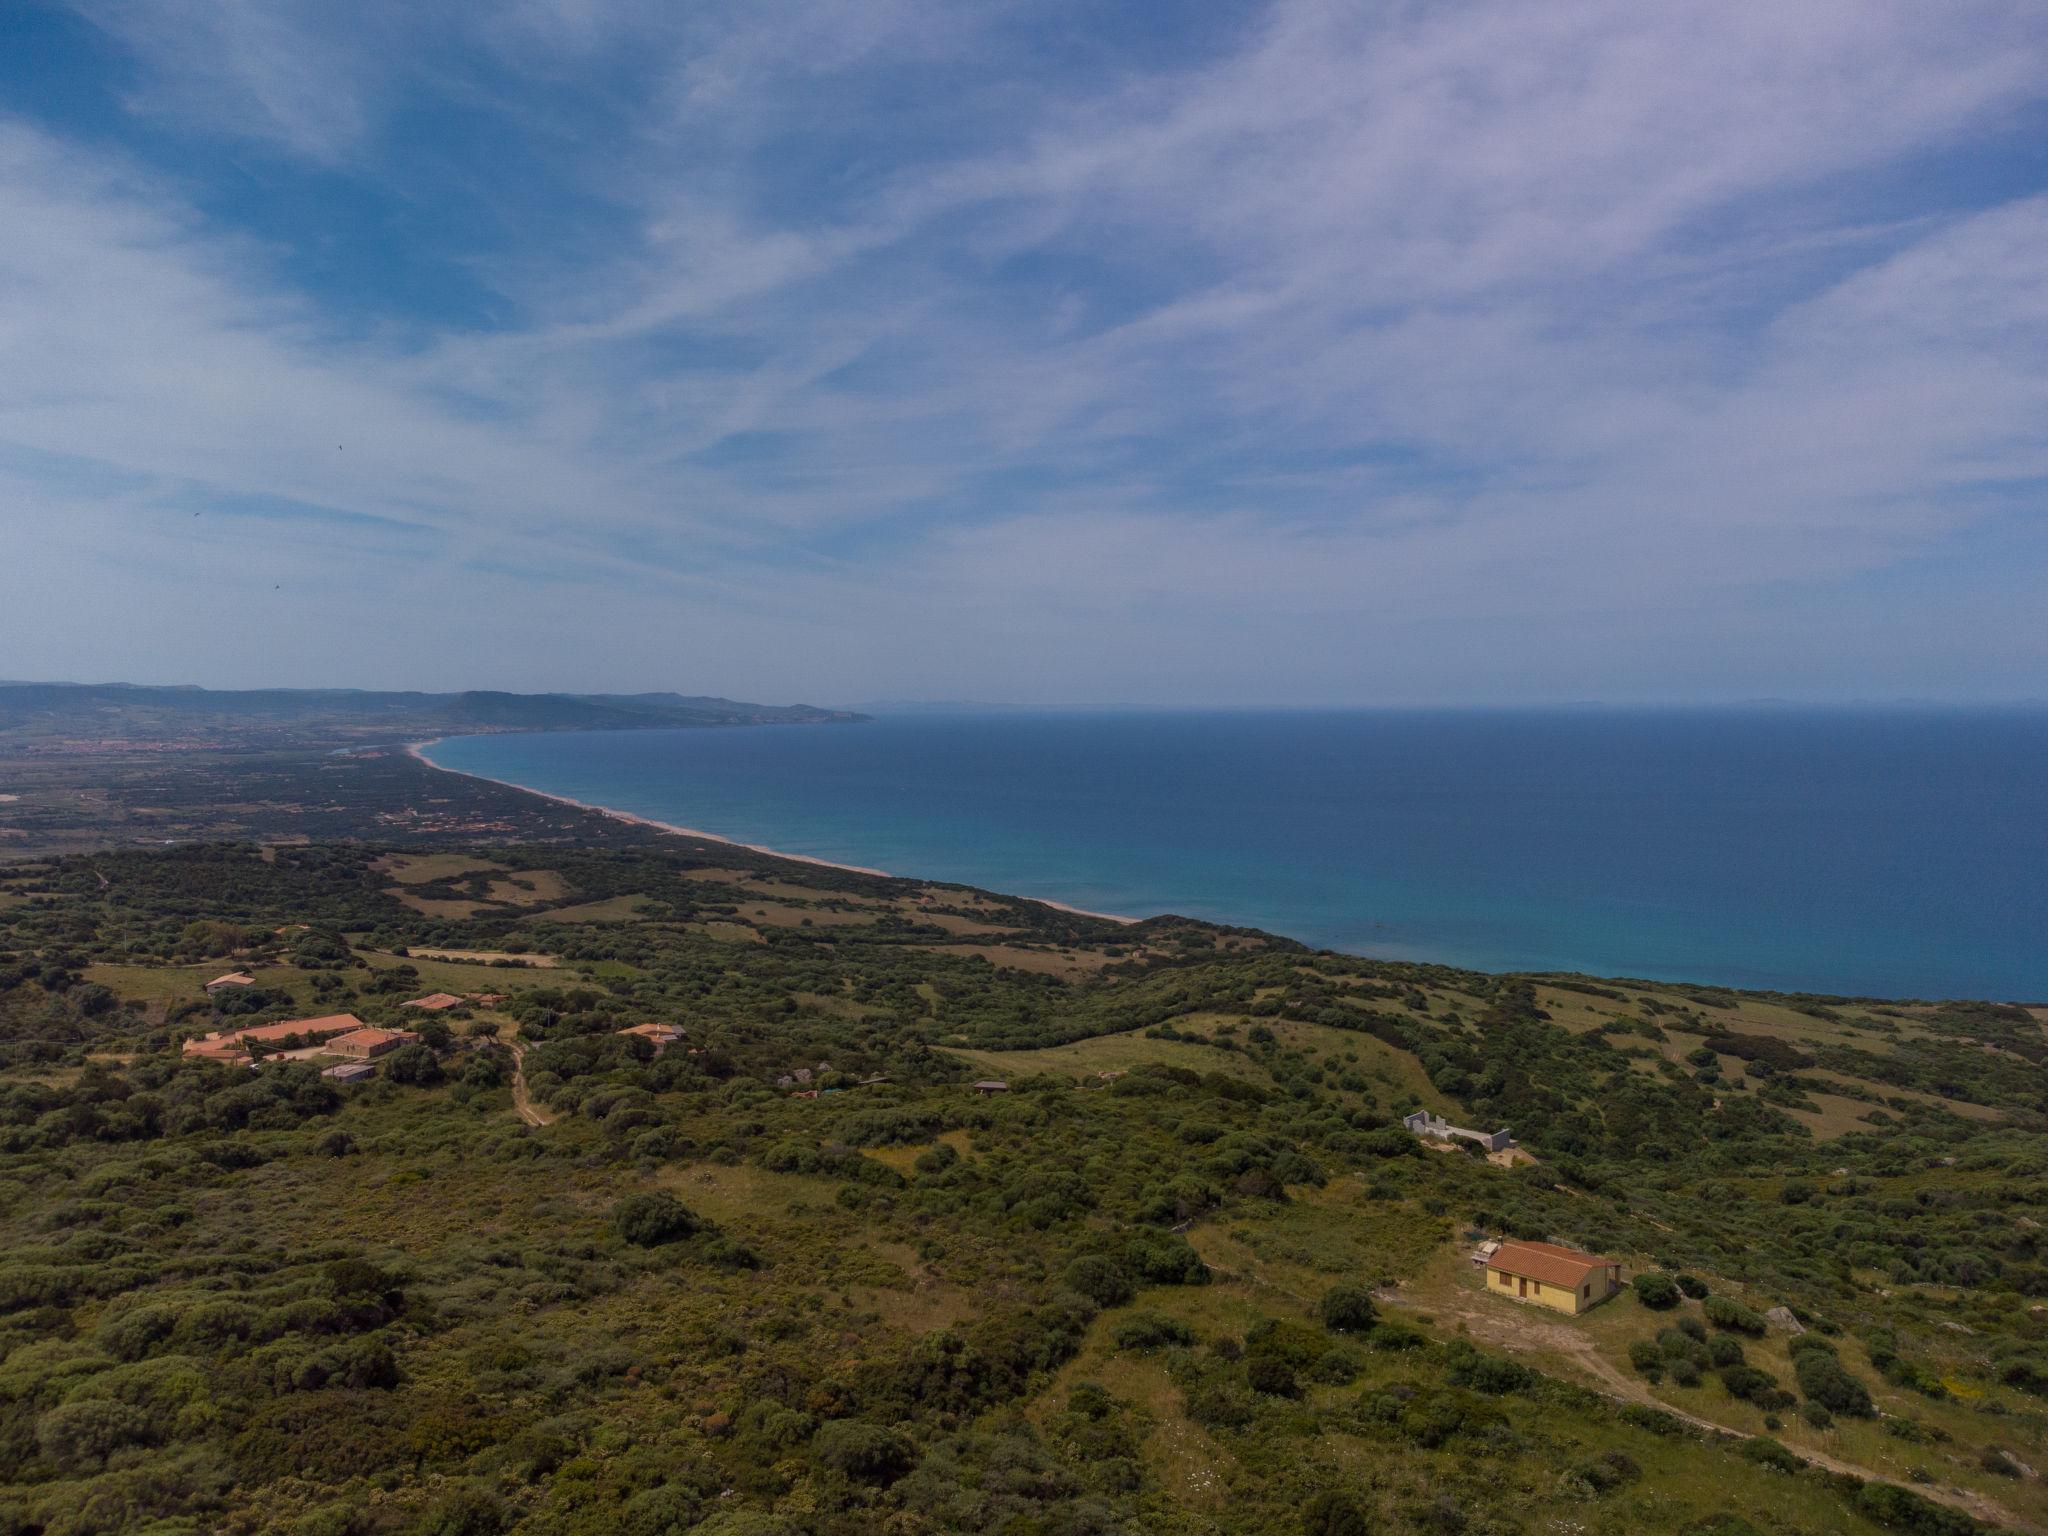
column 655, row 1217
column 865, row 1453
column 413, row 1064
column 1347, row 1309
column 1333, row 1513
column 1657, row 1292
column 1099, row 1279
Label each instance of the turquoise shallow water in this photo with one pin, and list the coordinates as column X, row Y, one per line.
column 1897, row 853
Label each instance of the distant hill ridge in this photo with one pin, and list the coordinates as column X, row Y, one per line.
column 124, row 710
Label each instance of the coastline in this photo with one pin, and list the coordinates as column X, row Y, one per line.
column 417, row 750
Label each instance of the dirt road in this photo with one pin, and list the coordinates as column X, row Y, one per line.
column 522, row 1101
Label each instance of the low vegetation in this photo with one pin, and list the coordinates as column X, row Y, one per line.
column 791, row 1274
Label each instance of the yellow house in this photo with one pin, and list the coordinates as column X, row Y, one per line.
column 1561, row 1278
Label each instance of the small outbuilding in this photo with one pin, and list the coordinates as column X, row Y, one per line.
column 232, row 979
column 349, row 1071
column 991, row 1086
column 1560, row 1278
column 434, row 1002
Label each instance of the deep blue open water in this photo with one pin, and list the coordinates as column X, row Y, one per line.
column 1886, row 852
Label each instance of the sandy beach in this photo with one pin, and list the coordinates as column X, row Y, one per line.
column 418, row 751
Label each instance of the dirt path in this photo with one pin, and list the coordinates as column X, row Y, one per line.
column 522, row 1101
column 1520, row 1335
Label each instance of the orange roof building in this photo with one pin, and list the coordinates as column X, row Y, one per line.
column 663, row 1035
column 434, row 1002
column 232, row 979
column 363, row 1044
column 227, row 1044
column 1563, row 1279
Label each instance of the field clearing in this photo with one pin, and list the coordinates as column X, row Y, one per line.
column 613, row 909
column 1837, row 1116
column 157, row 983
column 1109, row 1053
column 424, row 868
column 441, row 907
column 729, row 933
column 962, row 927
column 486, row 956
column 1070, row 964
column 461, row 976
column 776, row 890
column 530, row 887
column 1388, row 1067
column 1917, row 1096
column 781, row 915
column 1578, row 1012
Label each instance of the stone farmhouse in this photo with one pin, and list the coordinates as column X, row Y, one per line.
column 1423, row 1123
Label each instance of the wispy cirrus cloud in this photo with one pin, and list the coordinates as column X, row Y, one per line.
column 1462, row 350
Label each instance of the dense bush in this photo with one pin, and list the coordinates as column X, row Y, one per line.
column 1151, row 1330
column 1333, row 1513
column 1824, row 1380
column 1348, row 1309
column 864, row 1453
column 654, row 1217
column 1656, row 1291
column 1726, row 1312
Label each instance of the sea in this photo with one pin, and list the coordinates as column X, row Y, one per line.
column 1891, row 852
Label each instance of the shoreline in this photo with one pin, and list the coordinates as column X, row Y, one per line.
column 417, row 750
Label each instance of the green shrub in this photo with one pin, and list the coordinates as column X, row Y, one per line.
column 1726, row 1312
column 1647, row 1358
column 1101, row 1280
column 1655, row 1421
column 465, row 1510
column 1765, row 1451
column 1151, row 1330
column 1901, row 1509
column 1331, row 1513
column 1393, row 1337
column 1272, row 1376
column 652, row 1218
column 1656, row 1291
column 1748, row 1383
column 863, row 1453
column 1691, row 1285
column 1609, row 1470
column 1165, row 1258
column 1823, row 1380
column 1348, row 1309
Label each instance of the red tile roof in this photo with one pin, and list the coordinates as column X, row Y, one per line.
column 435, row 1001
column 232, row 979
column 314, row 1029
column 1547, row 1262
column 372, row 1035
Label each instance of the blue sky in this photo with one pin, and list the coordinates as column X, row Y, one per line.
column 1289, row 353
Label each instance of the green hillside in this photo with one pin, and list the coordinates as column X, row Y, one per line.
column 1184, row 1272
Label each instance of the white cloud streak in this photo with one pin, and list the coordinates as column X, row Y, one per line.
column 1370, row 349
